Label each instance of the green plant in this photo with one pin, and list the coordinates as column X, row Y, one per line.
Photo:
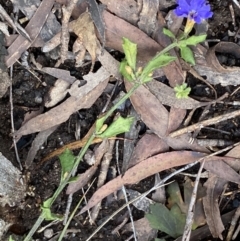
column 138, row 77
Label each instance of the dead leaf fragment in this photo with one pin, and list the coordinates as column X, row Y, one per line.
column 57, row 93
column 33, row 28
column 89, row 93
column 147, row 168
column 83, row 27
column 214, row 187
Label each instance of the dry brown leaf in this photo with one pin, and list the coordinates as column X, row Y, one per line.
column 83, row 27
column 145, row 169
column 84, row 178
column 214, row 187
column 167, row 96
column 33, row 28
column 148, row 16
column 37, row 143
column 155, row 116
column 143, row 230
column 176, row 117
column 59, row 74
column 208, row 65
column 87, row 95
column 57, row 93
column 151, row 110
column 127, row 9
column 148, row 145
column 223, row 170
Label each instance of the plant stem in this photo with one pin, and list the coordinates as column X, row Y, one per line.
column 86, row 146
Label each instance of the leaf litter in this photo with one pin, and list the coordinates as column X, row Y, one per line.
column 151, row 154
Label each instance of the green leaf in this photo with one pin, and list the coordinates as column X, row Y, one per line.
column 10, row 238
column 182, row 91
column 99, row 124
column 123, row 69
column 130, row 51
column 193, row 40
column 187, row 55
column 155, row 63
column 48, row 215
column 67, row 160
column 171, row 222
column 168, row 33
column 119, row 126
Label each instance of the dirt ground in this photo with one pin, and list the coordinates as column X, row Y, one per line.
column 43, row 179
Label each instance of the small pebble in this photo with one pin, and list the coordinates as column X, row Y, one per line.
column 48, row 233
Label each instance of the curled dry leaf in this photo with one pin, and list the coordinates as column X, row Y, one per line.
column 83, row 27
column 210, row 67
column 214, row 187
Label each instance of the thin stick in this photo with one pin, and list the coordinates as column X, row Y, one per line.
column 12, row 125
column 191, row 208
column 125, row 194
column 204, row 123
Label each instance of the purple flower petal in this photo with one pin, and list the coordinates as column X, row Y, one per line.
column 197, row 10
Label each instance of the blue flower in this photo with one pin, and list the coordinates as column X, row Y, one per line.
column 196, row 10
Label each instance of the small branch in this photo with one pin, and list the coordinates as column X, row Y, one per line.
column 204, row 123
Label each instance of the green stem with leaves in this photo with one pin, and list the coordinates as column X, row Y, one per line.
column 65, row 181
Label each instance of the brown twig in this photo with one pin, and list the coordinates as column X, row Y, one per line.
column 204, row 123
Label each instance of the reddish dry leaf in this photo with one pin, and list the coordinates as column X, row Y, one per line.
column 33, row 28
column 176, row 117
column 152, row 112
column 145, row 169
column 155, row 116
column 223, row 170
column 214, row 187
column 148, row 145
column 117, row 28
column 84, row 98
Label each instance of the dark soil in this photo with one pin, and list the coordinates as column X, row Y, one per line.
column 43, row 180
